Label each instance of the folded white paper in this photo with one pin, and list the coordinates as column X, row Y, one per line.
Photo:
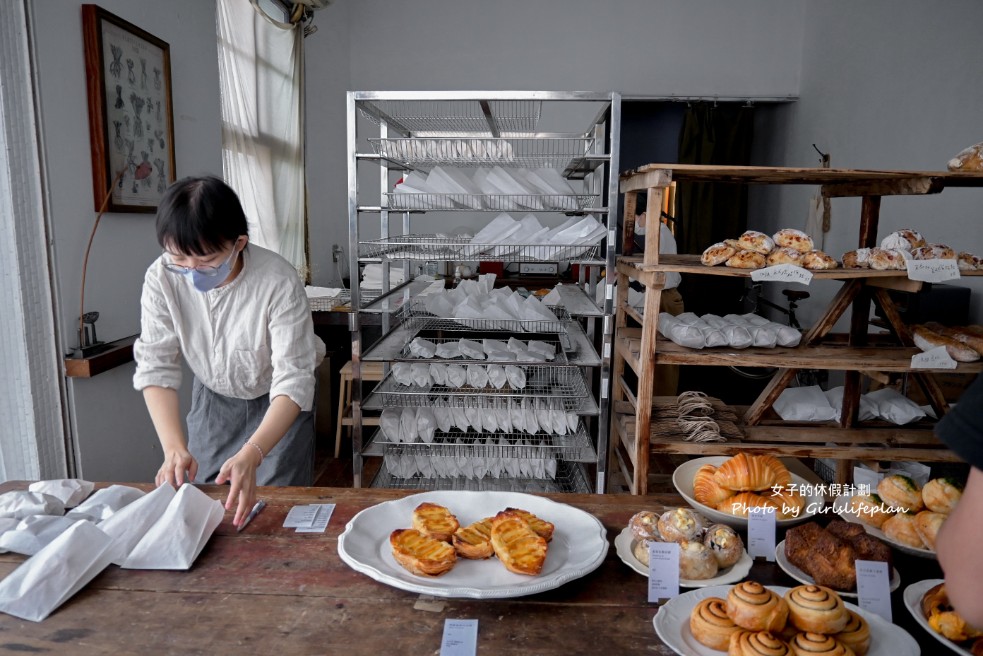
column 105, row 502
column 35, row 532
column 21, row 503
column 128, row 526
column 180, row 534
column 71, row 491
column 47, row 579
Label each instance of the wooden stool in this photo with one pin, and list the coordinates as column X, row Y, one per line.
column 370, row 371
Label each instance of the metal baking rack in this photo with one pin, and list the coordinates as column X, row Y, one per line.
column 430, row 202
column 551, row 339
column 448, row 117
column 575, row 447
column 570, row 477
column 434, row 248
column 414, row 316
column 528, row 152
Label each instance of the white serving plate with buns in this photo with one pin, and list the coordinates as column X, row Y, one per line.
column 842, row 507
column 579, row 545
column 624, row 542
column 913, row 595
column 682, row 479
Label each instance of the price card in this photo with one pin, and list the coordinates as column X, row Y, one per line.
column 936, row 358
column 933, row 270
column 663, row 570
column 874, row 587
column 783, row 273
column 324, row 511
column 460, row 638
column 300, row 517
column 761, row 532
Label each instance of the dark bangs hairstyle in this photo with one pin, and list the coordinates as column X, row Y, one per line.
column 199, row 216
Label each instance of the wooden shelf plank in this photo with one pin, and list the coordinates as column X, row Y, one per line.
column 692, row 264
column 825, row 356
column 628, row 343
column 793, row 175
column 116, row 353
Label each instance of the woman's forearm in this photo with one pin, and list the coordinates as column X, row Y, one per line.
column 164, row 408
column 278, row 419
column 958, row 548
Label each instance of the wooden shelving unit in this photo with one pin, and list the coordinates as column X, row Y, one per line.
column 636, row 412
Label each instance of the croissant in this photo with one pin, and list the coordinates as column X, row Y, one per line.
column 783, row 477
column 739, row 503
column 706, row 490
column 745, row 473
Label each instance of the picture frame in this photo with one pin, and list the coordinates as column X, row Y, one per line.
column 131, row 117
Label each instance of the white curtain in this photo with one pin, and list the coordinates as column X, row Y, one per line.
column 261, row 75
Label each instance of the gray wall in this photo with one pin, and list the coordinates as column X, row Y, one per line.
column 113, row 433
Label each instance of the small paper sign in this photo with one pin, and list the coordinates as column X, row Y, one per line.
column 874, row 587
column 783, row 273
column 300, row 517
column 936, row 358
column 324, row 511
column 933, row 270
column 460, row 638
column 761, row 532
column 663, row 570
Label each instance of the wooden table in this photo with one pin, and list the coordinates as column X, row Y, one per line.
column 269, row 590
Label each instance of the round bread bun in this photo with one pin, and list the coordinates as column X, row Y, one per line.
column 969, row 262
column 967, row 159
column 901, row 528
column 754, row 607
column 856, row 634
column 858, row 259
column 717, row 254
column 904, row 239
column 759, row 242
column 696, row 561
column 791, row 238
column 901, row 492
column 888, row 259
column 784, row 255
column 746, row 260
column 816, row 608
column 942, row 494
column 927, row 525
column 943, row 252
column 725, row 543
column 818, row 260
column 644, row 525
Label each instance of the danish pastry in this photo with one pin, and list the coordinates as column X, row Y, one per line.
column 756, row 643
column 759, row 242
column 543, row 528
column 754, row 607
column 796, row 239
column 943, row 618
column 784, row 255
column 746, row 260
column 717, row 254
column 706, row 490
column 902, row 528
column 474, row 541
column 941, row 494
column 856, row 634
column 517, row 546
column 710, row 625
column 725, row 544
column 901, row 492
column 435, row 521
column 817, row 609
column 681, row 524
column 421, row 554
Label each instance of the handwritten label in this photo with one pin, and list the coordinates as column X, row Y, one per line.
column 936, row 358
column 933, row 270
column 783, row 273
column 874, row 587
column 761, row 532
column 460, row 638
column 324, row 511
column 300, row 517
column 663, row 570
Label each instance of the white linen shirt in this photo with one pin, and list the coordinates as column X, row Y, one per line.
column 250, row 337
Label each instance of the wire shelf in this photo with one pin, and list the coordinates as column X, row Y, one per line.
column 405, row 355
column 570, row 477
column 434, row 118
column 434, row 248
column 491, row 202
column 575, row 447
column 529, row 152
column 563, row 387
column 414, row 316
column 323, row 304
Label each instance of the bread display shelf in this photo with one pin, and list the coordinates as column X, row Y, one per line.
column 643, row 348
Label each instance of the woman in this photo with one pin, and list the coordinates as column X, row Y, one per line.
column 240, row 317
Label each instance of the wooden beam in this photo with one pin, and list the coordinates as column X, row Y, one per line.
column 646, row 180
column 834, row 311
column 768, row 395
column 905, row 187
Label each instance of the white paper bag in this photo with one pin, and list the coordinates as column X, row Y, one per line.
column 128, row 526
column 105, row 502
column 34, row 533
column 389, row 422
column 70, row 491
column 47, row 579
column 893, row 406
column 180, row 534
column 21, row 503
column 804, row 404
column 867, row 409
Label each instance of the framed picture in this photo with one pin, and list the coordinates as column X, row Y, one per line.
column 131, row 123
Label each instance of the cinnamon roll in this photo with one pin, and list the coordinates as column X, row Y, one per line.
column 710, row 625
column 856, row 634
column 817, row 609
column 754, row 607
column 817, row 644
column 756, row 643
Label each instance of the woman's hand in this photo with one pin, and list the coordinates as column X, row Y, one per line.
column 240, row 469
column 177, row 462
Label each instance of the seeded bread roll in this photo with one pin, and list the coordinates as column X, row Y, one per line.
column 746, row 260
column 784, row 255
column 759, row 242
column 717, row 254
column 791, row 238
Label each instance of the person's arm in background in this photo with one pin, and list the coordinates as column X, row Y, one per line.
column 958, row 547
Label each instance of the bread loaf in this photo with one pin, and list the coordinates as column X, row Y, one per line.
column 969, row 262
column 933, row 252
column 926, row 340
column 784, row 255
column 717, row 254
column 759, row 242
column 889, row 259
column 968, row 159
column 858, row 259
column 817, row 260
column 904, row 239
column 746, row 260
column 967, row 337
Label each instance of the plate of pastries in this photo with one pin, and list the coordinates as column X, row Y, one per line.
column 756, row 250
column 709, row 554
column 929, row 604
column 479, row 545
column 901, row 513
column 900, row 246
column 723, row 488
column 827, row 556
column 752, row 619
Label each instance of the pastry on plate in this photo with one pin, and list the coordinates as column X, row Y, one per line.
column 696, row 561
column 706, row 489
column 902, row 529
column 710, row 625
column 725, row 544
column 474, row 541
column 756, row 643
column 759, row 242
column 754, row 607
column 817, row 644
column 790, row 504
column 856, row 634
column 434, row 520
column 745, row 260
column 943, row 618
column 817, row 609
column 745, row 473
column 796, row 239
column 717, row 254
column 927, row 525
column 644, row 525
column 681, row 524
column 421, row 554
column 543, row 528
column 517, row 546
column 942, row 494
column 901, row 492
column 870, row 509
column 739, row 504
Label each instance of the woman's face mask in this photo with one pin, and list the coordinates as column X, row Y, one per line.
column 205, row 277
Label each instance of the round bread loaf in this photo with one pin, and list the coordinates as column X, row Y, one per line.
column 904, row 239
column 784, row 255
column 969, row 262
column 858, row 259
column 967, row 159
column 717, row 254
column 818, row 260
column 746, row 260
column 759, row 242
column 791, row 238
column 888, row 259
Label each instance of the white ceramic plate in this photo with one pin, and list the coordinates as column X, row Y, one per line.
column 733, row 574
column 579, row 545
column 802, row 577
column 682, row 478
column 672, row 626
column 842, row 508
column 913, row 602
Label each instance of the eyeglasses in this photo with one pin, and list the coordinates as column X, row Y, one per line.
column 206, row 270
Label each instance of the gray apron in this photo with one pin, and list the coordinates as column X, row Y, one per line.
column 218, row 426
